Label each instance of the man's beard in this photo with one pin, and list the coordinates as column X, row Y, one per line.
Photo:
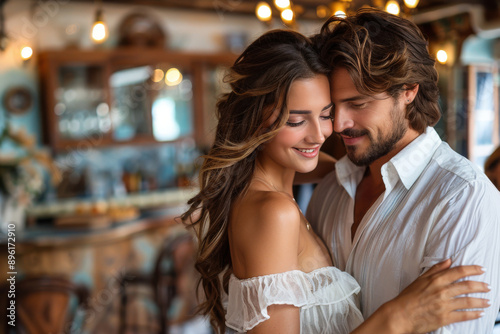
column 382, row 146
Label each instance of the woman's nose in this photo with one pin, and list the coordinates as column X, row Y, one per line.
column 317, row 133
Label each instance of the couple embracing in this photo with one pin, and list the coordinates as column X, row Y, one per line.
column 394, row 230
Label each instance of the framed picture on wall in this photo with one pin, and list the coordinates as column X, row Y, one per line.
column 482, row 115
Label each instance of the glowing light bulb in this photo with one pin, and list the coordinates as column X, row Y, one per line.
column 158, row 75
column 287, row 15
column 26, row 53
column 99, row 32
column 442, row 56
column 263, row 11
column 411, row 3
column 392, row 7
column 340, row 13
column 282, row 4
column 173, row 77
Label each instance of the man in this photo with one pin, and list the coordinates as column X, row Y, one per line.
column 492, row 167
column 400, row 200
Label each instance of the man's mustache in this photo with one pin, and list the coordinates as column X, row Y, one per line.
column 353, row 133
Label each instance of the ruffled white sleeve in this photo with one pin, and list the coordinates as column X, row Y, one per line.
column 248, row 299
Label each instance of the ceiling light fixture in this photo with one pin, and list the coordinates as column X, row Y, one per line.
column 287, row 15
column 282, row 4
column 263, row 11
column 290, row 12
column 411, row 3
column 99, row 31
column 392, row 7
column 26, row 53
column 442, row 56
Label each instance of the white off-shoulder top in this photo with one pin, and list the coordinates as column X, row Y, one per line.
column 327, row 298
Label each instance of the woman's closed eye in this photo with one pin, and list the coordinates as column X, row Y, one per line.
column 292, row 124
column 326, row 117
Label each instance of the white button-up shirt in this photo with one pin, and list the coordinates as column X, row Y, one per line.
column 436, row 205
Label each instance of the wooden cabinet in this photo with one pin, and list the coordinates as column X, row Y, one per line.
column 127, row 96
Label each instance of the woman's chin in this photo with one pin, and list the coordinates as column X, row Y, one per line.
column 306, row 169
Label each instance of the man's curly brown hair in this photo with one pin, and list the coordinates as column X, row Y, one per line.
column 383, row 53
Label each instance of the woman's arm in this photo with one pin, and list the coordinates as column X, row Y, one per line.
column 326, row 164
column 429, row 303
column 268, row 243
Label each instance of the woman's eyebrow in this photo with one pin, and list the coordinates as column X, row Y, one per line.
column 328, row 106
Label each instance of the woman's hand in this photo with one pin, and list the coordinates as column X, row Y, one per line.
column 432, row 301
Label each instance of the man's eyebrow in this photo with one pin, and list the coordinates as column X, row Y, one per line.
column 355, row 98
column 305, row 112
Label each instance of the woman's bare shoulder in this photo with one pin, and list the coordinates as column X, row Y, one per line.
column 267, row 209
column 265, row 232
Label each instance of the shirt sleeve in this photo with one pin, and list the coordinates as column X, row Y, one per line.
column 467, row 230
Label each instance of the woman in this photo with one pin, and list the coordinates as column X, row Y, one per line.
column 278, row 274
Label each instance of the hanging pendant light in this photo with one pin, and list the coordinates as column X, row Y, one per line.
column 263, row 11
column 282, row 4
column 26, row 53
column 99, row 31
column 287, row 15
column 392, row 7
column 411, row 3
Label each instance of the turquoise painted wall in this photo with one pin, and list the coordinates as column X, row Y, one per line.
column 31, row 120
column 476, row 50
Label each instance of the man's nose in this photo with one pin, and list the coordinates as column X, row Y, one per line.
column 342, row 120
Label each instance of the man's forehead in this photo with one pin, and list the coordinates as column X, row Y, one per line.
column 343, row 89
column 340, row 79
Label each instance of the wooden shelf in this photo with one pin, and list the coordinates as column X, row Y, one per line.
column 102, row 64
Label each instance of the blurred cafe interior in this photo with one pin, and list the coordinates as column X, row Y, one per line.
column 105, row 108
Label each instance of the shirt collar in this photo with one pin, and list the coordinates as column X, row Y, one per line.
column 411, row 161
column 406, row 166
column 349, row 175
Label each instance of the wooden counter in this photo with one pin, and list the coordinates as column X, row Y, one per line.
column 50, row 237
column 95, row 258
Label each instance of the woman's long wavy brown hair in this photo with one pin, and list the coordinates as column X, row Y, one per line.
column 260, row 80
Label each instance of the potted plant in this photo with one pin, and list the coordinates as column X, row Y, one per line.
column 21, row 175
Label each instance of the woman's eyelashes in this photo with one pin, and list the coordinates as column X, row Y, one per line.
column 292, row 124
column 323, row 117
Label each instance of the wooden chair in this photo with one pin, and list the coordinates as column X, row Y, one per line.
column 175, row 276
column 172, row 277
column 43, row 304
